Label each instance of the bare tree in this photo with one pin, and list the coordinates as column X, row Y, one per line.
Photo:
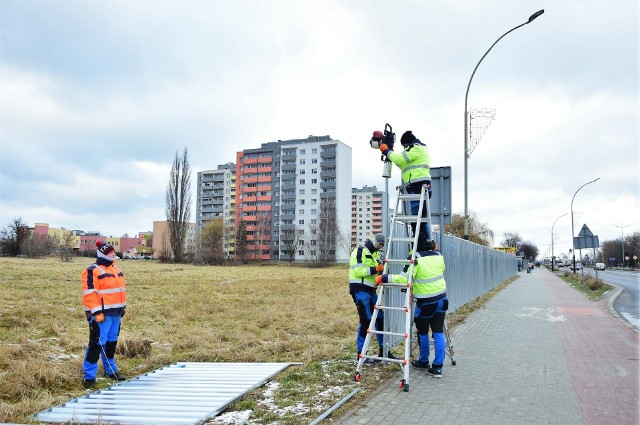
column 529, row 250
column 66, row 245
column 35, row 246
column 13, row 236
column 262, row 234
column 327, row 232
column 479, row 232
column 344, row 241
column 289, row 241
column 211, row 242
column 241, row 242
column 511, row 239
column 178, row 202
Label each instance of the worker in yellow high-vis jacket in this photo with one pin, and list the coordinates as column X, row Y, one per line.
column 430, row 291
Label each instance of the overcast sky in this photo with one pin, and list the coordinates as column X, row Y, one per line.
column 97, row 97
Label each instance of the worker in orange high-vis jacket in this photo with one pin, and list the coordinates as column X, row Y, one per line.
column 104, row 297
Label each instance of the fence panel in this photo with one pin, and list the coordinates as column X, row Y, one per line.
column 471, row 270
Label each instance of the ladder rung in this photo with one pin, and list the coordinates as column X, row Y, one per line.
column 386, row 359
column 381, row 307
column 401, row 240
column 410, row 197
column 395, row 285
column 408, row 218
column 397, row 260
column 375, row 332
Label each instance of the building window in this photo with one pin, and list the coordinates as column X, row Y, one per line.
column 302, row 181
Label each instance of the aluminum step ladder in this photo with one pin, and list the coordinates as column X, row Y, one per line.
column 412, row 242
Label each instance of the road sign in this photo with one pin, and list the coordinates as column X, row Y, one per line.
column 585, row 231
column 440, row 201
column 583, row 242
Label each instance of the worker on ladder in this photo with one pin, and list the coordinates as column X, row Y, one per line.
column 414, row 164
column 364, row 266
column 430, row 291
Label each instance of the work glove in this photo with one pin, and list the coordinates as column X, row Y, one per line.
column 122, row 313
column 380, row 268
column 382, row 278
column 383, row 148
column 98, row 318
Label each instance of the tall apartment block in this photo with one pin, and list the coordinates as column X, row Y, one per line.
column 366, row 213
column 287, row 191
column 216, row 201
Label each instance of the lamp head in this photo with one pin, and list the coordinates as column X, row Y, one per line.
column 535, row 15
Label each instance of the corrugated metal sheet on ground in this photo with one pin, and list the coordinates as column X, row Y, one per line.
column 181, row 393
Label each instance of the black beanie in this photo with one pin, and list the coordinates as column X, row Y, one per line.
column 423, row 243
column 407, row 138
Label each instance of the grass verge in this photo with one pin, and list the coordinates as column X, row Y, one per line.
column 593, row 288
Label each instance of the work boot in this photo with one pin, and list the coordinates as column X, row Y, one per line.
column 419, row 365
column 435, row 372
column 88, row 383
column 115, row 376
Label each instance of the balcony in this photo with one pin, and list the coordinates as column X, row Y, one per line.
column 328, row 163
column 288, row 167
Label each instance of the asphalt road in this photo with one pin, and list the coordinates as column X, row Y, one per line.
column 628, row 303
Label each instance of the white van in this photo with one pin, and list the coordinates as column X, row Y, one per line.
column 600, row 266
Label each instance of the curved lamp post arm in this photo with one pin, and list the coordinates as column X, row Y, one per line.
column 554, row 223
column 573, row 245
column 466, row 117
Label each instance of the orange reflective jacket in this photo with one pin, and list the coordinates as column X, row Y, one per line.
column 103, row 289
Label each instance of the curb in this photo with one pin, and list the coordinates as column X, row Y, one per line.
column 611, row 300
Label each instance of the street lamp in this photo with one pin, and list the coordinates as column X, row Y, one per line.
column 622, row 229
column 573, row 243
column 552, row 256
column 466, row 118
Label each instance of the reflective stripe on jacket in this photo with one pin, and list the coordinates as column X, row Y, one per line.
column 103, row 289
column 428, row 275
column 362, row 268
column 413, row 163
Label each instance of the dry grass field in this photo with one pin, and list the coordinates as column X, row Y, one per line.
column 176, row 312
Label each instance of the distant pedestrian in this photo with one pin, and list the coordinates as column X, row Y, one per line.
column 430, row 292
column 104, row 298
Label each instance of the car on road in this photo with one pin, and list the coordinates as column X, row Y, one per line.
column 599, row 266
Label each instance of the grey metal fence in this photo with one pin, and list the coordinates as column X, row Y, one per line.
column 471, row 270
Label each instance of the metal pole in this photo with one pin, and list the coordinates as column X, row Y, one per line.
column 554, row 223
column 573, row 244
column 466, row 118
column 622, row 230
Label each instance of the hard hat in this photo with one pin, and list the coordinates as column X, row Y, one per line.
column 379, row 240
column 377, row 135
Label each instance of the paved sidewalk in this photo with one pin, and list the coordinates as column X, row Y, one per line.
column 539, row 352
